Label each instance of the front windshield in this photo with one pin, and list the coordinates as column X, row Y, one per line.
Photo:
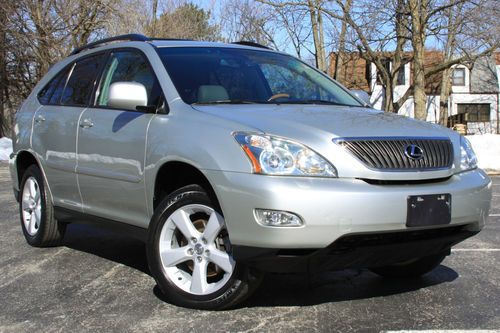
column 219, row 75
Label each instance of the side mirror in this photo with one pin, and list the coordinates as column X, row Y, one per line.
column 362, row 95
column 127, row 95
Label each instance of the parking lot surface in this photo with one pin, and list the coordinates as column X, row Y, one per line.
column 99, row 281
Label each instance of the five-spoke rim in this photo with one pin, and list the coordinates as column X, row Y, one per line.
column 188, row 254
column 31, row 206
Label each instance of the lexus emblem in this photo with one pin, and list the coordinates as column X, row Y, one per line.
column 414, row 152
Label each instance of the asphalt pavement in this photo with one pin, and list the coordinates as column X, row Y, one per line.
column 98, row 281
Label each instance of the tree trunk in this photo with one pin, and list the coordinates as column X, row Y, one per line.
column 444, row 97
column 317, row 29
column 321, row 36
column 340, row 61
column 389, row 96
column 3, row 75
column 154, row 18
column 418, row 12
column 449, row 51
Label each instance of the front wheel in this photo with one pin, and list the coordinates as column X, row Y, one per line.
column 411, row 269
column 189, row 253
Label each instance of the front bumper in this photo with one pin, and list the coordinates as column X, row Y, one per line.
column 357, row 251
column 332, row 208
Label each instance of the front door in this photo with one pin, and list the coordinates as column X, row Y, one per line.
column 111, row 144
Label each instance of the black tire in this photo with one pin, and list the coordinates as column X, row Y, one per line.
column 49, row 231
column 413, row 269
column 242, row 282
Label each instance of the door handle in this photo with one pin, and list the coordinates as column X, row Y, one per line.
column 39, row 119
column 86, row 123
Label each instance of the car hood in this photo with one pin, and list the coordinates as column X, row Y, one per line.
column 296, row 121
column 317, row 125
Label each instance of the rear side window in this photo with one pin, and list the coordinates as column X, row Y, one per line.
column 51, row 93
column 81, row 81
column 128, row 66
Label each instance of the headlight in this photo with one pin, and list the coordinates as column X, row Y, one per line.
column 468, row 159
column 277, row 156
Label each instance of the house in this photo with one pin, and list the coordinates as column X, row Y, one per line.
column 475, row 93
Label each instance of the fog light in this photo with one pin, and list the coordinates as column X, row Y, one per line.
column 276, row 218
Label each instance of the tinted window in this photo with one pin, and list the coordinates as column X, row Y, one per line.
column 55, row 85
column 129, row 66
column 55, row 99
column 232, row 75
column 81, row 82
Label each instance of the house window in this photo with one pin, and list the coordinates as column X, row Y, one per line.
column 458, row 78
column 401, row 76
column 475, row 112
column 387, row 66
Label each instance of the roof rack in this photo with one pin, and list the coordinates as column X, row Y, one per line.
column 128, row 37
column 172, row 39
column 247, row 43
column 142, row 38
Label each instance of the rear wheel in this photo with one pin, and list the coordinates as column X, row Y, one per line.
column 189, row 253
column 411, row 269
column 40, row 228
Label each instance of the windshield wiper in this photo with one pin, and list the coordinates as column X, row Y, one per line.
column 315, row 101
column 228, row 101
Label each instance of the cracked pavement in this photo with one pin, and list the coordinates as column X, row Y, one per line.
column 99, row 281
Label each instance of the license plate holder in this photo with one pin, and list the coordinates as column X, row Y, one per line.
column 427, row 210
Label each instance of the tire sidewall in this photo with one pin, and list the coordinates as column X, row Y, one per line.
column 215, row 300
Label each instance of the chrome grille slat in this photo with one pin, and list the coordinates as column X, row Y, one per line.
column 395, row 153
column 389, row 153
column 385, row 155
column 435, row 156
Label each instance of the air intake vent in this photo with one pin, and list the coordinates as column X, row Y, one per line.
column 400, row 153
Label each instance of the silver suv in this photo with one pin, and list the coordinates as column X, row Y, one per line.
column 230, row 160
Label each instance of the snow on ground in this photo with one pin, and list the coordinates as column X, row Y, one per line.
column 487, row 148
column 5, row 148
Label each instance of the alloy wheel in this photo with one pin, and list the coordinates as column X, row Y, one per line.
column 194, row 250
column 31, row 205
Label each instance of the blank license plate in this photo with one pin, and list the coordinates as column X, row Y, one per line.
column 425, row 210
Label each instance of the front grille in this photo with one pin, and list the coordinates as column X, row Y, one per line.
column 389, row 153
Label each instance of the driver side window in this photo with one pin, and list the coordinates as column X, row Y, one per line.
column 128, row 66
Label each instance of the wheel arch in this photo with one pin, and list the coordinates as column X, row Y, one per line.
column 173, row 175
column 25, row 159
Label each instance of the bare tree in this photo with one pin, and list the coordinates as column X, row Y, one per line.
column 413, row 21
column 314, row 9
column 3, row 70
column 37, row 33
column 248, row 21
column 425, row 20
column 341, row 53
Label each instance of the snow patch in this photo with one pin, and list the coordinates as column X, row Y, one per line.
column 487, row 148
column 5, row 148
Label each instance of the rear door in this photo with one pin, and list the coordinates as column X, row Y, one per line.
column 55, row 126
column 111, row 144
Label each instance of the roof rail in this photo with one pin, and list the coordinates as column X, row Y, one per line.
column 247, row 43
column 128, row 37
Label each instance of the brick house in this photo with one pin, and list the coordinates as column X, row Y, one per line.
column 475, row 93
